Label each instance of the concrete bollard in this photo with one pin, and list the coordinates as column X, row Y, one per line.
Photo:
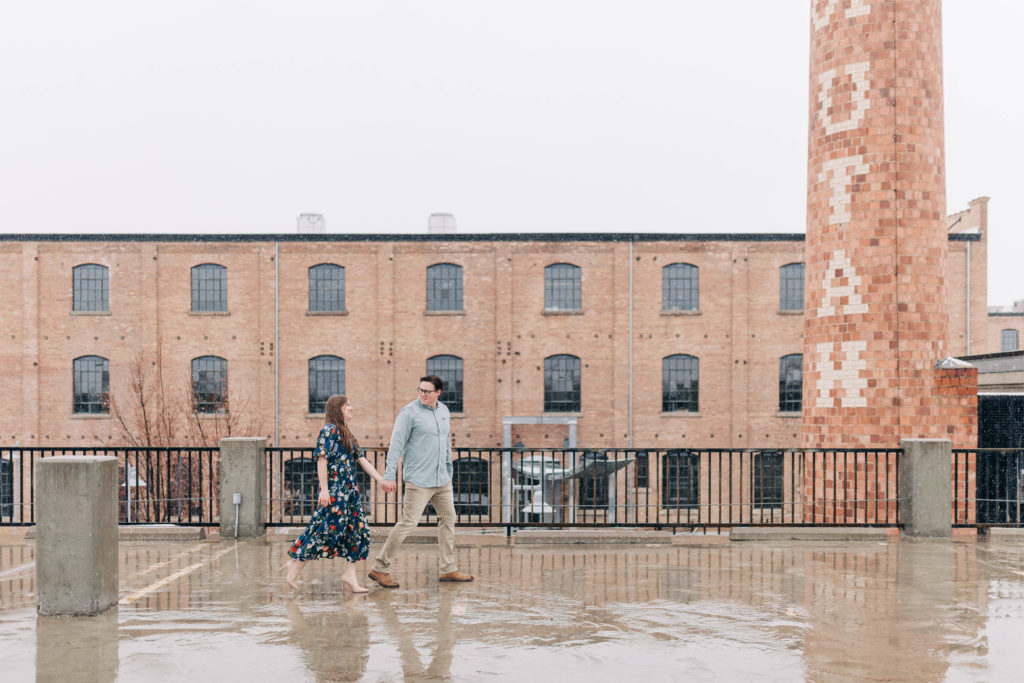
column 76, row 534
column 242, row 472
column 926, row 488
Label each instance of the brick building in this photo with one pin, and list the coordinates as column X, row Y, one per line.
column 661, row 341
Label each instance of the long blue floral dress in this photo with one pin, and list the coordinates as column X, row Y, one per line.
column 338, row 529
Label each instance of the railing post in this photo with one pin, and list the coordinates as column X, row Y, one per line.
column 926, row 493
column 76, row 534
column 242, row 471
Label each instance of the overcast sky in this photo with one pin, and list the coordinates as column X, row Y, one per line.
column 583, row 116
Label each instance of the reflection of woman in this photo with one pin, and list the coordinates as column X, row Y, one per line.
column 335, row 643
column 338, row 527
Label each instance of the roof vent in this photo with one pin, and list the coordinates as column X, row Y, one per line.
column 311, row 224
column 441, row 224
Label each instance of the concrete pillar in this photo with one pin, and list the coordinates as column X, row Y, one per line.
column 76, row 534
column 926, row 489
column 243, row 468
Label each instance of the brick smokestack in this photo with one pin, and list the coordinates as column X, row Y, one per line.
column 876, row 316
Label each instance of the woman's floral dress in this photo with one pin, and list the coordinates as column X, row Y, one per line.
column 338, row 529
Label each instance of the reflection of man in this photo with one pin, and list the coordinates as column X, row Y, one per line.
column 440, row 665
column 421, row 439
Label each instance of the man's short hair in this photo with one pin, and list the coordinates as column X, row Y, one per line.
column 435, row 380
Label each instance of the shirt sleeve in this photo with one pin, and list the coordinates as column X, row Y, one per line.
column 322, row 444
column 396, row 449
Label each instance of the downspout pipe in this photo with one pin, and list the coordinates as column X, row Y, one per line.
column 277, row 345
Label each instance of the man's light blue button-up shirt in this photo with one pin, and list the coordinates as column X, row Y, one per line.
column 421, row 438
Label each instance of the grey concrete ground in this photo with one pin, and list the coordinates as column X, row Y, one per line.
column 216, row 610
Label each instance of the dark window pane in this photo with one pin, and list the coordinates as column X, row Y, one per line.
column 561, row 384
column 470, row 484
column 767, row 489
column 209, row 384
column 593, row 489
column 91, row 385
column 680, row 383
column 680, row 479
column 444, row 287
column 209, row 288
column 327, row 288
column 642, row 470
column 326, row 378
column 679, row 287
column 562, row 287
column 91, row 288
column 791, row 383
column 1009, row 340
column 449, row 369
column 791, row 287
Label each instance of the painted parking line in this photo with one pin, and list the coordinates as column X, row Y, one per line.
column 158, row 565
column 129, row 599
column 11, row 573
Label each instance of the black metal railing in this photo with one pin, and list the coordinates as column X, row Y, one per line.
column 155, row 485
column 626, row 487
column 988, row 487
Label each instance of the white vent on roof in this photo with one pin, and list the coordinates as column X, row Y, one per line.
column 311, row 224
column 441, row 224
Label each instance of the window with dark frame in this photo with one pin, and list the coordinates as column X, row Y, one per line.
column 642, row 470
column 791, row 287
column 680, row 480
column 470, row 485
column 326, row 378
column 593, row 488
column 91, row 385
column 767, row 485
column 561, row 384
column 680, row 383
column 444, row 287
column 209, row 287
column 449, row 369
column 327, row 288
column 90, row 288
column 209, row 384
column 562, row 287
column 680, row 287
column 791, row 383
column 1008, row 340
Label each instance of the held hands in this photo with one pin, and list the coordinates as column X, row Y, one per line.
column 389, row 486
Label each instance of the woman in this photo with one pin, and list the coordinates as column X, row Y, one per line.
column 338, row 527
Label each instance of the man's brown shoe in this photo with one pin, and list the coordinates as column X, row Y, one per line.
column 455, row 576
column 383, row 579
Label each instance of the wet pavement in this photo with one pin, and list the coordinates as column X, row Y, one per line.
column 819, row 611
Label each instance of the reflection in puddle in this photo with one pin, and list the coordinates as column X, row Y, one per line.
column 905, row 610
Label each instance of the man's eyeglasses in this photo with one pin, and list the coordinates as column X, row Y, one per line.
column 426, row 391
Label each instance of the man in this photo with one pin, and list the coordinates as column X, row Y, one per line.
column 421, row 437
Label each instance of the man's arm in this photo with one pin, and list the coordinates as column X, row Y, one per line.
column 396, row 449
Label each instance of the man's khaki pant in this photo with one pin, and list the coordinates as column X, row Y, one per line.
column 413, row 503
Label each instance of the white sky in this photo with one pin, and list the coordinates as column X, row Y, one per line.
column 552, row 115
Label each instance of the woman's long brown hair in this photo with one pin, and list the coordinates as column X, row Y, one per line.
column 334, row 416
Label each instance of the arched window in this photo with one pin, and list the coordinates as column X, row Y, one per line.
column 680, row 480
column 767, row 484
column 562, row 287
column 449, row 369
column 561, row 384
column 444, row 287
column 791, row 383
column 209, row 384
column 1008, row 340
column 680, row 383
column 679, row 287
column 91, row 392
column 326, row 378
column 327, row 288
column 209, row 287
column 791, row 287
column 470, row 485
column 90, row 288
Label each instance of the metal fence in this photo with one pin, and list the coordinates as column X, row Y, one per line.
column 155, row 485
column 988, row 487
column 661, row 488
